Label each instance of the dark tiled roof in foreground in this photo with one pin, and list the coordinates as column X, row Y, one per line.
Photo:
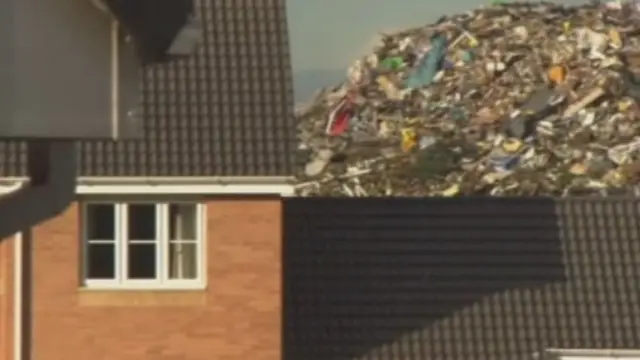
column 225, row 111
column 449, row 279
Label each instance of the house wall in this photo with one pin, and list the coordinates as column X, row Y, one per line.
column 238, row 316
column 6, row 299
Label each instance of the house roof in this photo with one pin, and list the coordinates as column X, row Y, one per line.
column 451, row 279
column 227, row 110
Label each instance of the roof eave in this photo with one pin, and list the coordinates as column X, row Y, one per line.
column 181, row 180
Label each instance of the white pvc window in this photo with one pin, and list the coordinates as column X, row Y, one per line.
column 143, row 245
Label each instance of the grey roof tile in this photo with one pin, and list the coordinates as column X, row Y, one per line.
column 225, row 111
column 451, row 279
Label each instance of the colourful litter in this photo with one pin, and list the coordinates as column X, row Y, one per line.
column 451, row 191
column 429, row 65
column 616, row 38
column 389, row 88
column 393, row 63
column 466, row 56
column 409, row 140
column 339, row 118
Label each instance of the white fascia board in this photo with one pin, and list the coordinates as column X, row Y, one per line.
column 203, row 189
column 594, row 354
column 597, row 357
column 159, row 187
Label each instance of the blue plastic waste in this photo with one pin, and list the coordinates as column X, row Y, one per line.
column 427, row 68
column 505, row 163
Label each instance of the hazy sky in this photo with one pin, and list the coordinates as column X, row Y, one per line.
column 330, row 34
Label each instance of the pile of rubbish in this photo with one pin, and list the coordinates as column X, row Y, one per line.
column 513, row 99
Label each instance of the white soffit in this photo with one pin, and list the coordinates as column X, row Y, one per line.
column 597, row 357
column 159, row 187
column 593, row 354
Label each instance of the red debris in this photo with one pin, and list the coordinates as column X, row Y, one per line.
column 340, row 117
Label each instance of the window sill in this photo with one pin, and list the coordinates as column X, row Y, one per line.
column 151, row 286
column 143, row 285
column 131, row 297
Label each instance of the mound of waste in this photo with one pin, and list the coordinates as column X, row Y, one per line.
column 514, row 99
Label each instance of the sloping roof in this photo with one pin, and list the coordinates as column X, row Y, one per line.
column 452, row 279
column 225, row 111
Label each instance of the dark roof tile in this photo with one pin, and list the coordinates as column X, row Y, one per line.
column 451, row 279
column 225, row 111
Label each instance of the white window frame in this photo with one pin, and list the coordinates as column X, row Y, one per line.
column 162, row 282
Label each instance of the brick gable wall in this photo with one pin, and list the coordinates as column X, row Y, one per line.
column 238, row 316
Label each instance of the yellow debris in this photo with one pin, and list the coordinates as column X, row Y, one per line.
column 452, row 190
column 578, row 169
column 389, row 88
column 409, row 140
column 624, row 105
column 557, row 74
column 614, row 178
column 616, row 38
column 512, row 145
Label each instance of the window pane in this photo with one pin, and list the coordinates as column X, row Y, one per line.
column 182, row 221
column 100, row 221
column 101, row 262
column 142, row 221
column 183, row 261
column 142, row 261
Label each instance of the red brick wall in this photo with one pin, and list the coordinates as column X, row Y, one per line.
column 237, row 317
column 6, row 299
